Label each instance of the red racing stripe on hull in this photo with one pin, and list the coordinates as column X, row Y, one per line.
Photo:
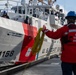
column 30, row 33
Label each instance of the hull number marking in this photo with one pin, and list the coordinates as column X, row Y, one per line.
column 6, row 53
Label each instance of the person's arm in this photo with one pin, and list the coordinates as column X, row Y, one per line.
column 54, row 35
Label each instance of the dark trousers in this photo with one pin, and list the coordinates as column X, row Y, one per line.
column 68, row 68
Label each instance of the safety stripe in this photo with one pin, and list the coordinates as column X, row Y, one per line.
column 29, row 30
column 72, row 30
column 30, row 33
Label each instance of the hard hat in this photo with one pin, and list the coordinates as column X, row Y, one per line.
column 71, row 14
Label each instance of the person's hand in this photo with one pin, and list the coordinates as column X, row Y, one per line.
column 44, row 28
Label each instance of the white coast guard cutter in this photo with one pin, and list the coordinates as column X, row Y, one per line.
column 17, row 38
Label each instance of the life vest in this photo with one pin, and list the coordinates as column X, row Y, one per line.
column 70, row 35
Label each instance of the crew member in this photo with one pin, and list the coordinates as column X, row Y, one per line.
column 5, row 15
column 67, row 35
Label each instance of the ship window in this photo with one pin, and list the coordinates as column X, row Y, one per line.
column 31, row 11
column 47, row 50
column 43, row 51
column 47, row 10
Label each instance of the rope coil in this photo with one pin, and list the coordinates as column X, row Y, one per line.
column 38, row 42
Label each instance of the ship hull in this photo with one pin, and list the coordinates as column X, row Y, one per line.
column 17, row 40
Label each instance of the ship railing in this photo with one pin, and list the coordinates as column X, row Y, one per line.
column 21, row 17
